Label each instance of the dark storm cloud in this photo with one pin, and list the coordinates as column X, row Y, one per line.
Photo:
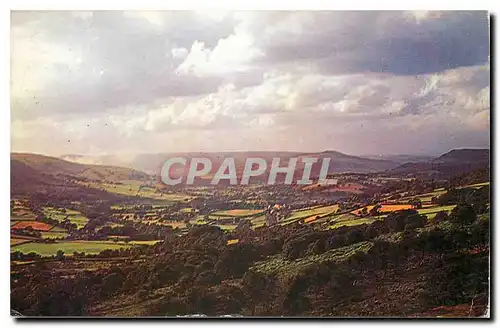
column 387, row 42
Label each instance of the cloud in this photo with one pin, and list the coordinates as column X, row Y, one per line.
column 172, row 81
column 382, row 42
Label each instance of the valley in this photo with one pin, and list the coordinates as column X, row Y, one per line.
column 175, row 250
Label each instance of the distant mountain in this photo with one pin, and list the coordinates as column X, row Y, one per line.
column 339, row 162
column 343, row 163
column 465, row 156
column 450, row 164
column 152, row 163
column 402, row 158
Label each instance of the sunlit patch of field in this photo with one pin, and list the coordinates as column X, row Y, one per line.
column 232, row 241
column 427, row 197
column 432, row 211
column 311, row 219
column 310, row 213
column 385, row 208
column 227, row 227
column 237, row 212
column 118, row 237
column 68, row 247
column 348, row 223
column 60, row 215
column 349, row 219
column 258, row 221
column 476, row 185
column 144, row 242
column 198, row 222
column 57, row 229
column 54, row 235
column 173, row 224
column 134, row 188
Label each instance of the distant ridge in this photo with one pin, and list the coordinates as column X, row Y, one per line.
column 447, row 165
column 465, row 155
column 340, row 162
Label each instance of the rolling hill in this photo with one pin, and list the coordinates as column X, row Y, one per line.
column 339, row 163
column 450, row 164
column 33, row 173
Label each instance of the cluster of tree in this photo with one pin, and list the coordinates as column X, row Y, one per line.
column 478, row 198
column 476, row 176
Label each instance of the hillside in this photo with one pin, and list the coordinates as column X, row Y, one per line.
column 450, row 164
column 33, row 173
column 340, row 162
column 54, row 166
column 465, row 156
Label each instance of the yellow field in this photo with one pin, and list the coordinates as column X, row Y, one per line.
column 308, row 214
column 237, row 212
column 385, row 208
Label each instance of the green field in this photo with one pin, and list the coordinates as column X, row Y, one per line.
column 431, row 212
column 57, row 229
column 227, row 227
column 89, row 247
column 347, row 223
column 54, row 234
column 315, row 211
column 348, row 219
column 59, row 215
column 144, row 242
column 132, row 188
column 258, row 221
column 237, row 213
column 477, row 185
column 425, row 198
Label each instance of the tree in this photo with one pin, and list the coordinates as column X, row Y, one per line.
column 440, row 217
column 416, row 203
column 257, row 286
column 375, row 210
column 463, row 214
column 59, row 255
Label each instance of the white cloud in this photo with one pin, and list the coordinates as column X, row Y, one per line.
column 231, row 54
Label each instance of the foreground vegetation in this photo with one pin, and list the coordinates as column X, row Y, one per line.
column 293, row 270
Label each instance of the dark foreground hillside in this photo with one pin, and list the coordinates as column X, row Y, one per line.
column 401, row 266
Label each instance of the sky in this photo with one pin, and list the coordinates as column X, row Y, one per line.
column 366, row 82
